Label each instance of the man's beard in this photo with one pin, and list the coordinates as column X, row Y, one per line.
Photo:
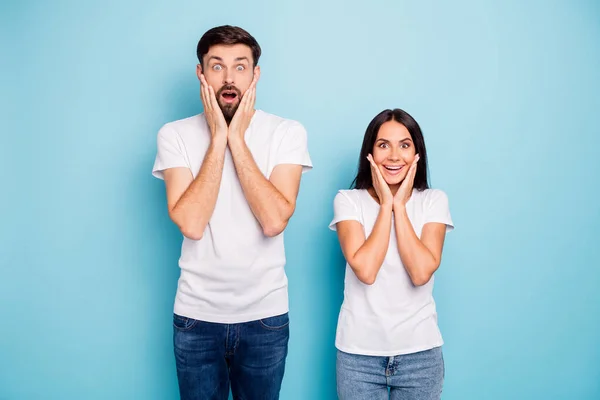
column 229, row 109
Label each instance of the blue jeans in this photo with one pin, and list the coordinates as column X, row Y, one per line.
column 417, row 376
column 248, row 356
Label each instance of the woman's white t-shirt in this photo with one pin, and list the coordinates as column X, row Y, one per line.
column 392, row 316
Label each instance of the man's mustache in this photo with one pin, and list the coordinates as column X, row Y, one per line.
column 229, row 88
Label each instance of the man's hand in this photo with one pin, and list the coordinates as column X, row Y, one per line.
column 212, row 111
column 243, row 115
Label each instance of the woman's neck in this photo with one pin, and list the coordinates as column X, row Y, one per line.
column 393, row 189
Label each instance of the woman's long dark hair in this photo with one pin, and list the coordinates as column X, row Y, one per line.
column 363, row 179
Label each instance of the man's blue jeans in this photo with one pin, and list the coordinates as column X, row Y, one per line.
column 249, row 356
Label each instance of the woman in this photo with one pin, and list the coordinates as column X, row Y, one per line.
column 391, row 228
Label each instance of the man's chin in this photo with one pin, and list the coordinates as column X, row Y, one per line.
column 228, row 108
column 228, row 111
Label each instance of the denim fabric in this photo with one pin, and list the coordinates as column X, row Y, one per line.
column 417, row 376
column 248, row 356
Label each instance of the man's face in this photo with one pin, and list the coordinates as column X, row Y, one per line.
column 229, row 70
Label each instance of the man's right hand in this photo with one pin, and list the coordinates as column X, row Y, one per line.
column 212, row 111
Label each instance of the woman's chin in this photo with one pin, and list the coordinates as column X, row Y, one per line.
column 393, row 181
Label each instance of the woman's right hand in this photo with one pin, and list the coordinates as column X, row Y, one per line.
column 212, row 111
column 382, row 189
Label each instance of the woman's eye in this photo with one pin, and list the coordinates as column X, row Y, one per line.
column 383, row 145
column 405, row 145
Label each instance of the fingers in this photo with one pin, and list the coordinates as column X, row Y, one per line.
column 413, row 167
column 380, row 168
column 213, row 96
column 244, row 102
column 247, row 103
column 416, row 160
column 375, row 175
column 252, row 99
column 412, row 172
column 205, row 92
column 209, row 94
column 254, row 80
column 213, row 99
column 372, row 162
column 375, row 169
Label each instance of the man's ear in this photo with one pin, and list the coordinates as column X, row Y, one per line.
column 199, row 71
column 257, row 73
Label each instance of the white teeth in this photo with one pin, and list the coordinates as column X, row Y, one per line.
column 394, row 168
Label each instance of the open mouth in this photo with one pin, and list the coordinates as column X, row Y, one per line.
column 393, row 169
column 229, row 96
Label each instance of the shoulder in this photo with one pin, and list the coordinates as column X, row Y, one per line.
column 346, row 207
column 184, row 127
column 352, row 193
column 352, row 196
column 435, row 194
column 430, row 195
column 278, row 124
column 431, row 200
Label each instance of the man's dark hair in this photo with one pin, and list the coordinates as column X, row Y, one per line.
column 228, row 35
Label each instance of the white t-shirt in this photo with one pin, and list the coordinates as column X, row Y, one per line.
column 234, row 273
column 391, row 316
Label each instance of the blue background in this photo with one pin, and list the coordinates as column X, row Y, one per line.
column 507, row 94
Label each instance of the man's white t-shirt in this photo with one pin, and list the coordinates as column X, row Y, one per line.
column 234, row 273
column 392, row 316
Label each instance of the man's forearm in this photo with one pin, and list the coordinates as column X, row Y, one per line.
column 268, row 205
column 194, row 208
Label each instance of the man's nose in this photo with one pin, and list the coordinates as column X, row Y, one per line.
column 228, row 77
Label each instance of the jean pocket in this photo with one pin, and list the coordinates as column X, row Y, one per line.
column 275, row 323
column 183, row 323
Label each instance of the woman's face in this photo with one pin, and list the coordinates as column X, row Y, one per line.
column 393, row 152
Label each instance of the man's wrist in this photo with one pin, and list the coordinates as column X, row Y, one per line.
column 219, row 141
column 235, row 139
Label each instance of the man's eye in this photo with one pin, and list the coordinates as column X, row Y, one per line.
column 217, row 67
column 241, row 68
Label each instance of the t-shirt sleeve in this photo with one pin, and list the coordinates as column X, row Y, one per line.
column 438, row 210
column 169, row 153
column 344, row 209
column 293, row 148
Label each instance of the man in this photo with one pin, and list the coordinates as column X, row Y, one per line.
column 232, row 176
